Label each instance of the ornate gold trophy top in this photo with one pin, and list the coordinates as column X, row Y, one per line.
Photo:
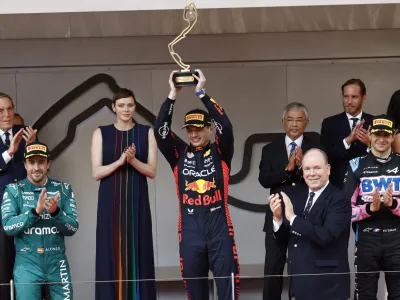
column 184, row 78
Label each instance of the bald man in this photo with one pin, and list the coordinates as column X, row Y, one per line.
column 317, row 230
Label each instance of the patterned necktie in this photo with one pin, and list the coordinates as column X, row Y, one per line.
column 354, row 122
column 293, row 144
column 7, row 140
column 308, row 206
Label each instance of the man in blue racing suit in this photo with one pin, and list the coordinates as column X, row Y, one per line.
column 373, row 183
column 202, row 170
column 39, row 212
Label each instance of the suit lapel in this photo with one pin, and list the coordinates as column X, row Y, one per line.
column 345, row 124
column 2, row 146
column 282, row 152
column 367, row 119
column 320, row 203
column 305, row 144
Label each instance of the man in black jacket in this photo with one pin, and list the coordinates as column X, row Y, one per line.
column 280, row 170
column 345, row 135
column 317, row 230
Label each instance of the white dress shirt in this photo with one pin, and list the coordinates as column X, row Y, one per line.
column 316, row 196
column 288, row 140
column 5, row 154
column 347, row 146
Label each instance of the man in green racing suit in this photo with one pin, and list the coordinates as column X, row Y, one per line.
column 39, row 212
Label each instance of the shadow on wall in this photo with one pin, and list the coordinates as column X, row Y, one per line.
column 150, row 117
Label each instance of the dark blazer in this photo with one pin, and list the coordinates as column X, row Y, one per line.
column 334, row 129
column 273, row 176
column 319, row 244
column 14, row 170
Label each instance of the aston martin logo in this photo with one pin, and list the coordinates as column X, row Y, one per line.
column 102, row 78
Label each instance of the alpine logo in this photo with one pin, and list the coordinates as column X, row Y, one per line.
column 394, row 171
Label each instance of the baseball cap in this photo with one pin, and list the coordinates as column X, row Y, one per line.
column 36, row 148
column 197, row 118
column 382, row 123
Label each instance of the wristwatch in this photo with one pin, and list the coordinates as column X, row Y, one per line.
column 201, row 92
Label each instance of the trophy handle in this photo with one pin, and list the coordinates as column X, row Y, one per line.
column 181, row 36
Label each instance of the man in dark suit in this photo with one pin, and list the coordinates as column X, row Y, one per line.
column 345, row 135
column 280, row 170
column 12, row 145
column 317, row 230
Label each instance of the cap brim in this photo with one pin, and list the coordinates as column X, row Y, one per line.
column 36, row 154
column 194, row 125
column 390, row 131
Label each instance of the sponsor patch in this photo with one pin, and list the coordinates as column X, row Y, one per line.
column 198, row 117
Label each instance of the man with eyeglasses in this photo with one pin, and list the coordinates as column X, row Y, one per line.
column 280, row 170
column 345, row 135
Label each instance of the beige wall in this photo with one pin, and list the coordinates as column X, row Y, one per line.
column 265, row 73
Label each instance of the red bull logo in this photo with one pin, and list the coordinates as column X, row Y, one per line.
column 202, row 199
column 200, row 186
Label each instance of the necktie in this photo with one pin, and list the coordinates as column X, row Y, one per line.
column 293, row 145
column 7, row 140
column 308, row 206
column 354, row 122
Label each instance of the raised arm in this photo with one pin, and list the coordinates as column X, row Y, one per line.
column 168, row 144
column 98, row 170
column 223, row 128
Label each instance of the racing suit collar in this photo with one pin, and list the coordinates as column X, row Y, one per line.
column 382, row 160
column 37, row 187
column 196, row 149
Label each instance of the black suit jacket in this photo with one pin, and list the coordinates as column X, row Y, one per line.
column 273, row 176
column 15, row 169
column 319, row 244
column 334, row 129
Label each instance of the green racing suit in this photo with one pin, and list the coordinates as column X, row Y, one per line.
column 39, row 239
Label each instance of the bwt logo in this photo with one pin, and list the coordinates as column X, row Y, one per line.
column 202, row 199
column 369, row 184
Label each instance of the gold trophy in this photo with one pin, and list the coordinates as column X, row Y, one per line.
column 185, row 76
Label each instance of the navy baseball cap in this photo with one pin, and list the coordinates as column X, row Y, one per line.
column 36, row 148
column 382, row 123
column 198, row 118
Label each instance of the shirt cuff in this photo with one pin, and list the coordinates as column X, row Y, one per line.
column 6, row 157
column 347, row 146
column 291, row 221
column 277, row 225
